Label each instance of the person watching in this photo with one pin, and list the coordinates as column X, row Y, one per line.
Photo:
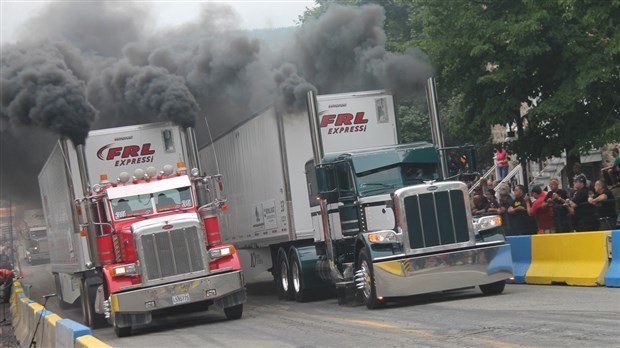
column 603, row 199
column 556, row 197
column 583, row 213
column 541, row 210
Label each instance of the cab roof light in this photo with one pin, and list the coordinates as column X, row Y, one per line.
column 181, row 169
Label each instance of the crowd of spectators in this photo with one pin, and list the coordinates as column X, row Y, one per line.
column 586, row 206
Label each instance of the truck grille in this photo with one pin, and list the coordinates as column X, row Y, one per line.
column 171, row 253
column 436, row 218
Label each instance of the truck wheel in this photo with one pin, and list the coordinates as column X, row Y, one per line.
column 299, row 293
column 493, row 288
column 283, row 278
column 365, row 282
column 120, row 331
column 88, row 292
column 234, row 312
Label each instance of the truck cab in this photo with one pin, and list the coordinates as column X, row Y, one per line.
column 394, row 224
column 37, row 246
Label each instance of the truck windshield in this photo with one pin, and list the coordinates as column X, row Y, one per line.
column 148, row 204
column 386, row 179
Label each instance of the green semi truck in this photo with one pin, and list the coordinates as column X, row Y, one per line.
column 331, row 199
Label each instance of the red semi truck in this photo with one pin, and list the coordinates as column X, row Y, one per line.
column 131, row 233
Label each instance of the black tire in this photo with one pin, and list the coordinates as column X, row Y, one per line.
column 234, row 312
column 299, row 293
column 493, row 288
column 120, row 331
column 283, row 277
column 90, row 318
column 365, row 282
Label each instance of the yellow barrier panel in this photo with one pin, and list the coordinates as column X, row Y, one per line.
column 48, row 333
column 573, row 258
column 89, row 341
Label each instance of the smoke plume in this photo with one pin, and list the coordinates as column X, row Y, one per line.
column 108, row 67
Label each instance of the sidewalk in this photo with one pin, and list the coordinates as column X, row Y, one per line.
column 7, row 338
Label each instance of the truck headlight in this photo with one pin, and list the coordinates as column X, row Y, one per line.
column 387, row 236
column 487, row 222
column 130, row 269
column 218, row 253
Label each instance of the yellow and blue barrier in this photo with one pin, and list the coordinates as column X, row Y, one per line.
column 521, row 256
column 612, row 278
column 53, row 331
column 583, row 258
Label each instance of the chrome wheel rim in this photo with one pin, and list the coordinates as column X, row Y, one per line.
column 284, row 276
column 365, row 279
column 296, row 277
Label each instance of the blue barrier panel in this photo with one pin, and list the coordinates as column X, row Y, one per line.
column 612, row 277
column 521, row 256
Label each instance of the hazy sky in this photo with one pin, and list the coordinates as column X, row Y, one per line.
column 253, row 14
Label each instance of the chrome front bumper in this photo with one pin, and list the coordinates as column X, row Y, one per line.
column 213, row 287
column 445, row 271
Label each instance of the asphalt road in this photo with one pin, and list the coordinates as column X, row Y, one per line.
column 523, row 316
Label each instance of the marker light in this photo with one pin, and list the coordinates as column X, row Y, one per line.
column 124, row 177
column 387, row 236
column 139, row 173
column 151, row 172
column 181, row 168
column 487, row 223
column 124, row 270
column 168, row 169
column 103, row 179
column 218, row 253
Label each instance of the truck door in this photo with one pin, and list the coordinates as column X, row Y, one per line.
column 348, row 211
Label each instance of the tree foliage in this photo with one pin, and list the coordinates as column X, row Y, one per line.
column 560, row 57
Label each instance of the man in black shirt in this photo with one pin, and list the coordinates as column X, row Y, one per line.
column 604, row 201
column 520, row 221
column 584, row 213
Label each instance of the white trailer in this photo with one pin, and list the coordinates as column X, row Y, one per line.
column 263, row 161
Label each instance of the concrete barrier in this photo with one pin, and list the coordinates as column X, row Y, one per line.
column 67, row 331
column 48, row 332
column 88, row 341
column 570, row 258
column 21, row 324
column 612, row 278
column 37, row 328
column 31, row 322
column 521, row 247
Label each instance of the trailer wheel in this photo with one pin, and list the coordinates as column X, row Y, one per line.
column 365, row 282
column 493, row 288
column 283, row 277
column 234, row 312
column 88, row 292
column 299, row 293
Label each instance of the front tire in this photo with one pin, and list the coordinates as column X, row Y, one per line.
column 88, row 292
column 365, row 282
column 120, row 331
column 493, row 288
column 234, row 312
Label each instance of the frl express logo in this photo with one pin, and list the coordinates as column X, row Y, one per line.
column 344, row 123
column 126, row 155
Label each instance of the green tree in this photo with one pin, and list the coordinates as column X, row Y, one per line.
column 560, row 57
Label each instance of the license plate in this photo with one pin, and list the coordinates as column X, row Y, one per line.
column 181, row 298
